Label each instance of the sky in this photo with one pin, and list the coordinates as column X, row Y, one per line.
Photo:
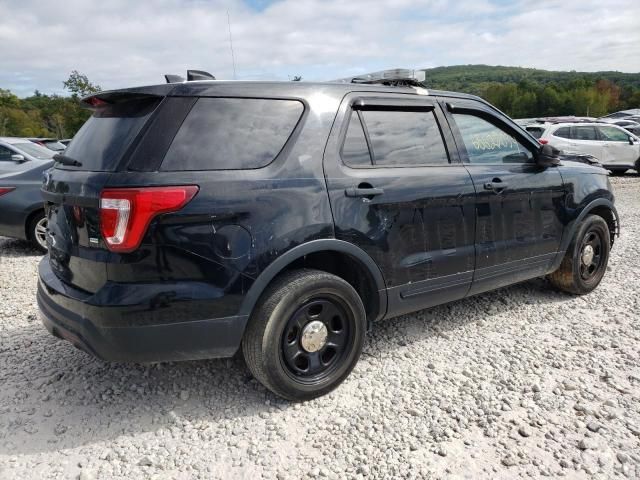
column 123, row 43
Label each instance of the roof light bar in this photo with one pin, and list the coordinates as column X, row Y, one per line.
column 394, row 76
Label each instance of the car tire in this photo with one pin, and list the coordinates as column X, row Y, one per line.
column 305, row 335
column 618, row 171
column 586, row 259
column 36, row 231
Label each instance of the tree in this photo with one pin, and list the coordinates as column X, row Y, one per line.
column 79, row 85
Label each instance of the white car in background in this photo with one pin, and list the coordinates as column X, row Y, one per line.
column 615, row 148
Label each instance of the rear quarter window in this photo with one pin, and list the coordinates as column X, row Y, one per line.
column 536, row 132
column 232, row 133
column 105, row 137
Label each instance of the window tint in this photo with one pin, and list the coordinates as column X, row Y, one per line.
column 232, row 133
column 486, row 143
column 105, row 137
column 404, row 138
column 355, row 151
column 613, row 134
column 563, row 132
column 584, row 132
column 5, row 154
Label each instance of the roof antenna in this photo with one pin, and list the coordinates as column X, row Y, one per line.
column 233, row 58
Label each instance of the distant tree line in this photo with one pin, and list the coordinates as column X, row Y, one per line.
column 519, row 92
column 43, row 115
column 526, row 92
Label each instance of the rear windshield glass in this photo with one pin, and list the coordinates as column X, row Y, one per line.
column 37, row 151
column 232, row 133
column 104, row 138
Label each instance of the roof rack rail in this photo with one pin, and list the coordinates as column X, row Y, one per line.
column 395, row 77
column 192, row 75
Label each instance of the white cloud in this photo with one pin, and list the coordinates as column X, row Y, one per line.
column 122, row 43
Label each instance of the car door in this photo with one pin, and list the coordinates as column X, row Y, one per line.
column 617, row 148
column 585, row 139
column 398, row 192
column 518, row 203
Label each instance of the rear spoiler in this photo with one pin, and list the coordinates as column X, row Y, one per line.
column 105, row 99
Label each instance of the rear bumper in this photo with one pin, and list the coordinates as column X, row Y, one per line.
column 70, row 314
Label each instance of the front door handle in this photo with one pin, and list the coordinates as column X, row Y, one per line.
column 496, row 185
column 363, row 190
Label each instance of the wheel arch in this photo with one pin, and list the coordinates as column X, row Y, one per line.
column 333, row 256
column 603, row 207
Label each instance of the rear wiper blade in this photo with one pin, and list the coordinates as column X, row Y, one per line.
column 64, row 160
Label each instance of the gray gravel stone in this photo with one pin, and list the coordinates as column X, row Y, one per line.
column 470, row 380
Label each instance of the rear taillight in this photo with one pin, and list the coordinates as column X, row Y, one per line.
column 4, row 190
column 543, row 141
column 125, row 213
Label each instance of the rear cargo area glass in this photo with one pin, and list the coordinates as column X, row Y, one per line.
column 103, row 140
column 232, row 133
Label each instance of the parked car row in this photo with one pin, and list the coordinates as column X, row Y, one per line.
column 616, row 148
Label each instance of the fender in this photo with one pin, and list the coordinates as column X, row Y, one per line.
column 322, row 245
column 573, row 226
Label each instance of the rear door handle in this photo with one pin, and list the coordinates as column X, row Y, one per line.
column 362, row 191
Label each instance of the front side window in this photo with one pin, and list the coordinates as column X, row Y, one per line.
column 487, row 143
column 613, row 134
column 404, row 138
column 232, row 133
column 584, row 132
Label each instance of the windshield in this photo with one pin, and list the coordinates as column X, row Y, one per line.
column 36, row 151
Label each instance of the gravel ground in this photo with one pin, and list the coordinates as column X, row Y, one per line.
column 523, row 381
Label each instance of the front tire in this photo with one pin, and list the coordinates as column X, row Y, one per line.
column 585, row 262
column 305, row 334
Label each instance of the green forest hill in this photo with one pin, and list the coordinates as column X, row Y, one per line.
column 520, row 92
column 528, row 92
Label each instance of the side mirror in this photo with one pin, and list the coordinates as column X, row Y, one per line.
column 631, row 140
column 547, row 156
column 18, row 158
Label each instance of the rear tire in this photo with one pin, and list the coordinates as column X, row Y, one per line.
column 585, row 262
column 305, row 335
column 36, row 231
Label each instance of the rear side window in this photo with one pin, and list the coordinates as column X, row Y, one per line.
column 105, row 137
column 232, row 133
column 404, row 138
column 563, row 132
column 584, row 132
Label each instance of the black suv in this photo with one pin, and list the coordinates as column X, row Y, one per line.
column 191, row 220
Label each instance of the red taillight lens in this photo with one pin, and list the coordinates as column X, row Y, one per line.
column 543, row 141
column 4, row 190
column 125, row 213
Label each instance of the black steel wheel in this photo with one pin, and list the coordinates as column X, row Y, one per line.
column 305, row 334
column 316, row 338
column 585, row 262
